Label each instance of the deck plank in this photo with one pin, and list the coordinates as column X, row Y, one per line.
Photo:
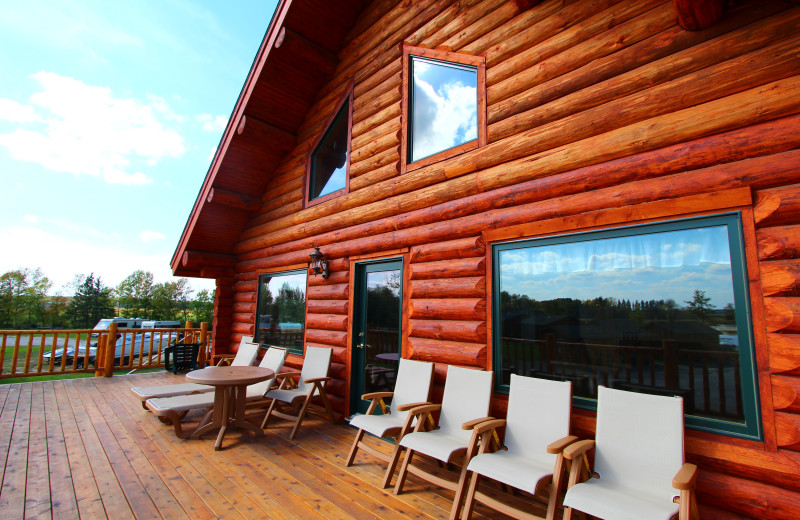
column 10, row 401
column 111, row 494
column 12, row 493
column 37, row 493
column 62, row 492
column 132, row 457
column 182, row 492
column 87, row 493
column 88, row 449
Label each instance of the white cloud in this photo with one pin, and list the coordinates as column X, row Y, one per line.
column 33, row 219
column 86, row 130
column 443, row 117
column 149, row 236
column 12, row 111
column 212, row 123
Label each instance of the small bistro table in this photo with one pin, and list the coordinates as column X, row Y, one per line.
column 230, row 389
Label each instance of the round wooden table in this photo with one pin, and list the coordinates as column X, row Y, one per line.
column 230, row 389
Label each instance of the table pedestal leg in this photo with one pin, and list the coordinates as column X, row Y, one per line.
column 219, row 417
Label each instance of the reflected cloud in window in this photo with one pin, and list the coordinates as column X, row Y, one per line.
column 444, row 106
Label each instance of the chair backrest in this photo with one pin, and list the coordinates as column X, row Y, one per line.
column 538, row 414
column 466, row 396
column 245, row 355
column 316, row 364
column 639, row 441
column 413, row 384
column 274, row 358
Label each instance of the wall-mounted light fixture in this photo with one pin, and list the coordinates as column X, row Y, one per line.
column 318, row 263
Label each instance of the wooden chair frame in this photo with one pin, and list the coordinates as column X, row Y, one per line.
column 395, row 433
column 684, row 480
column 465, row 454
column 488, row 439
column 300, row 404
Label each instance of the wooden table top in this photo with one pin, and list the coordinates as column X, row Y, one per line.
column 230, row 376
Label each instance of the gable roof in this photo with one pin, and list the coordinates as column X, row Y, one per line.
column 296, row 57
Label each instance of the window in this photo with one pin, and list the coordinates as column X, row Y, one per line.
column 659, row 308
column 281, row 311
column 444, row 106
column 329, row 163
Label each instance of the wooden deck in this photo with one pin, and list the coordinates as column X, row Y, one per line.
column 85, row 448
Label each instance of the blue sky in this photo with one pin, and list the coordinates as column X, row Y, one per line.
column 110, row 113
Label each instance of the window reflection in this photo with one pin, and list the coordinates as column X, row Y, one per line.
column 444, row 101
column 281, row 313
column 330, row 158
column 654, row 312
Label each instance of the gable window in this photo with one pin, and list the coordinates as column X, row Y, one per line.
column 281, row 310
column 444, row 105
column 657, row 308
column 329, row 163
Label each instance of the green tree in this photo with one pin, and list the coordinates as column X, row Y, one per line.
column 171, row 300
column 136, row 294
column 203, row 306
column 700, row 305
column 91, row 303
column 12, row 291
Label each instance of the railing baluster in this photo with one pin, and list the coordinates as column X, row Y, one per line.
column 721, row 384
column 28, row 352
column 16, row 353
column 3, row 353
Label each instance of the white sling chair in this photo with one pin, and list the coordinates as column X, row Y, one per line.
column 313, row 378
column 174, row 409
column 465, row 403
column 245, row 356
column 410, row 390
column 638, row 462
column 537, row 431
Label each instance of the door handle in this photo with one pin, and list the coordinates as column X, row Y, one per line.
column 360, row 345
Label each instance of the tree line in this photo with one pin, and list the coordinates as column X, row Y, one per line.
column 26, row 300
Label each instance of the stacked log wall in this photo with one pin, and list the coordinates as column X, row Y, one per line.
column 600, row 112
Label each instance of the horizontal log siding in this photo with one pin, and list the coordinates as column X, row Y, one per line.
column 592, row 105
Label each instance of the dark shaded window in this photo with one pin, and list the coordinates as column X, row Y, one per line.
column 659, row 309
column 444, row 106
column 281, row 311
column 330, row 160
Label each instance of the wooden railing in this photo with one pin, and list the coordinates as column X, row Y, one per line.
column 30, row 353
column 708, row 380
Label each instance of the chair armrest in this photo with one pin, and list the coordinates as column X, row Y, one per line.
column 376, row 395
column 557, row 447
column 685, row 478
column 284, row 375
column 425, row 408
column 574, row 451
column 485, row 426
column 224, row 358
column 317, row 380
column 474, row 422
column 408, row 406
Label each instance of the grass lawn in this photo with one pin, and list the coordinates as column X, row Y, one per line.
column 78, row 375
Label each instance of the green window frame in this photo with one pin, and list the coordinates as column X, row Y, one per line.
column 280, row 320
column 706, row 362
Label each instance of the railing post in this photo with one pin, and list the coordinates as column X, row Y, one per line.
column 201, row 352
column 188, row 325
column 111, row 346
column 671, row 375
column 99, row 353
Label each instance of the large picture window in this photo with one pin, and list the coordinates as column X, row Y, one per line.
column 444, row 106
column 659, row 308
column 329, row 163
column 281, row 311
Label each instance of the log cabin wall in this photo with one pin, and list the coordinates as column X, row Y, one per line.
column 593, row 106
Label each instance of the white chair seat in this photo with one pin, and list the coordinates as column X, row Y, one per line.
column 287, row 395
column 513, row 470
column 609, row 502
column 437, row 443
column 377, row 425
column 148, row 392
